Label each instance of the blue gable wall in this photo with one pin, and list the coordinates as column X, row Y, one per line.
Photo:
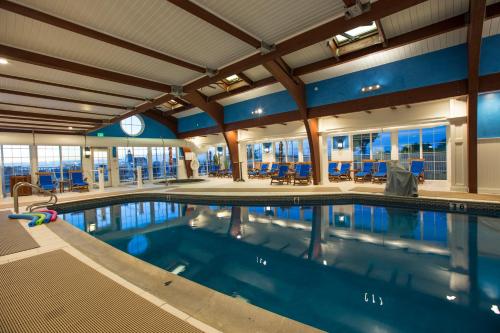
column 194, row 122
column 273, row 103
column 432, row 68
column 488, row 116
column 152, row 130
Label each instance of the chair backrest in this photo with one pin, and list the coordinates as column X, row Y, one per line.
column 367, row 167
column 298, row 167
column 283, row 170
column 264, row 166
column 382, row 167
column 417, row 166
column 45, row 179
column 274, row 166
column 76, row 176
column 332, row 167
column 344, row 168
column 305, row 169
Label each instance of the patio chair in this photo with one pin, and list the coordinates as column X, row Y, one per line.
column 303, row 176
column 259, row 173
column 344, row 173
column 77, row 181
column 381, row 175
column 332, row 168
column 273, row 170
column 214, row 170
column 417, row 169
column 282, row 176
column 46, row 181
column 366, row 173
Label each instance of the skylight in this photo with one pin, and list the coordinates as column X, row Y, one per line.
column 232, row 79
column 356, row 34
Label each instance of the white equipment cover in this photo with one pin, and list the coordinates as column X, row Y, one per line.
column 400, row 181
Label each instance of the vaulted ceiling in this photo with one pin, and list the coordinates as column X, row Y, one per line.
column 74, row 66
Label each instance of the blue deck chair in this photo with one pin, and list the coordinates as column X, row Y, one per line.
column 47, row 182
column 381, row 175
column 214, row 170
column 332, row 168
column 303, row 175
column 417, row 169
column 259, row 173
column 77, row 181
column 273, row 170
column 344, row 173
column 366, row 173
column 282, row 176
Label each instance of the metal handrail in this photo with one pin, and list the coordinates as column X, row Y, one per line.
column 34, row 205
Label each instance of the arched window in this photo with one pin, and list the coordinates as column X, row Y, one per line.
column 132, row 126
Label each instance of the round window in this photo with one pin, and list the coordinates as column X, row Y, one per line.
column 132, row 126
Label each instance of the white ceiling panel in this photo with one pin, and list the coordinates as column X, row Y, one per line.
column 17, row 68
column 272, row 88
column 25, row 33
column 423, row 14
column 156, row 24
column 435, row 43
column 37, row 88
column 308, row 55
column 186, row 113
column 491, row 27
column 10, row 121
column 83, row 114
column 211, row 90
column 45, row 103
column 257, row 73
column 275, row 20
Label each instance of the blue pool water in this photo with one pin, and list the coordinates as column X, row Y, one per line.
column 343, row 268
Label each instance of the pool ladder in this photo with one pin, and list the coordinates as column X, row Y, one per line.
column 52, row 200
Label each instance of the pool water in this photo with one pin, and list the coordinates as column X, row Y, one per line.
column 343, row 268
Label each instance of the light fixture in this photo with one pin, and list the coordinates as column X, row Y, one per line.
column 238, row 236
column 92, row 227
column 325, row 263
column 451, row 298
column 341, row 218
column 87, row 152
column 3, row 61
column 495, row 309
column 371, row 88
column 70, row 127
column 258, row 111
column 340, row 145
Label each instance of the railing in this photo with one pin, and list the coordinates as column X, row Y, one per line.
column 34, row 205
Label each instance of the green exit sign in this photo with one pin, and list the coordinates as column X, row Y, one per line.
column 100, row 134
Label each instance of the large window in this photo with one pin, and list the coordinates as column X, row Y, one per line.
column 158, row 156
column 132, row 126
column 292, row 151
column 306, row 151
column 16, row 162
column 361, row 149
column 71, row 158
column 49, row 159
column 203, row 161
column 129, row 158
column 381, row 146
column 409, row 145
column 434, row 152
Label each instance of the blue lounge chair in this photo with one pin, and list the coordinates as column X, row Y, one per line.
column 303, row 174
column 381, row 175
column 47, row 182
column 274, row 169
column 417, row 169
column 214, row 170
column 282, row 176
column 259, row 173
column 344, row 173
column 332, row 168
column 366, row 173
column 77, row 181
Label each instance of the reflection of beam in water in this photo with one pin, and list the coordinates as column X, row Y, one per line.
column 315, row 242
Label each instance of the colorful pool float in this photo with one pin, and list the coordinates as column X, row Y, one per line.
column 37, row 218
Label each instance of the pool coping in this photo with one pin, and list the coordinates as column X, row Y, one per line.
column 468, row 206
column 184, row 296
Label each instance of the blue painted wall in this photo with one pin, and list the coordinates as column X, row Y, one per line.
column 488, row 116
column 433, row 68
column 194, row 122
column 152, row 130
column 273, row 103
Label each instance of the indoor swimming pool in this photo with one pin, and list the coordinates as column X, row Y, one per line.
column 345, row 267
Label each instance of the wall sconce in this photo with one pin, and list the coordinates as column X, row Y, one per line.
column 87, row 152
column 340, row 145
column 258, row 111
column 267, row 147
column 371, row 88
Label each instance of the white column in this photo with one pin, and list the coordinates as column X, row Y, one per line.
column 139, row 176
column 113, row 168
column 243, row 159
column 150, row 163
column 323, row 159
column 181, row 167
column 457, row 156
column 34, row 164
column 301, row 150
column 394, row 145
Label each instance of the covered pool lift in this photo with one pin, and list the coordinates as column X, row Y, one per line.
column 400, row 181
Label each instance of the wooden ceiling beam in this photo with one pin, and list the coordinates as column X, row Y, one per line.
column 81, row 30
column 318, row 34
column 59, row 85
column 245, row 78
column 477, row 10
column 55, row 117
column 214, row 109
column 61, row 99
column 216, row 21
column 257, row 84
column 76, row 68
column 48, row 126
column 57, row 109
column 39, row 131
column 381, row 33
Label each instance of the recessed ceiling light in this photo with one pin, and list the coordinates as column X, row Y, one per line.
column 70, row 127
column 3, row 61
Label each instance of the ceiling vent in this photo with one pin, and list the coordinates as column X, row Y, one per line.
column 176, row 91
